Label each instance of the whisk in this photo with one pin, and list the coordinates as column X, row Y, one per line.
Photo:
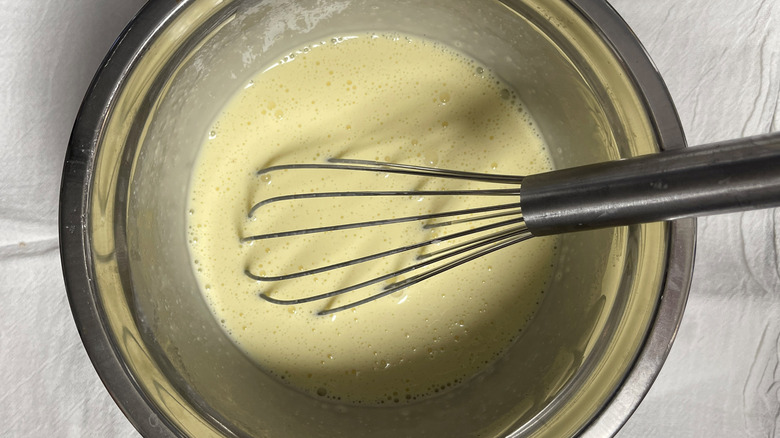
column 741, row 174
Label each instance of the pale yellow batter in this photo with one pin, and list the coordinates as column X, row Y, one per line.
column 377, row 97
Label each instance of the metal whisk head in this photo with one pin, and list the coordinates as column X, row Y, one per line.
column 674, row 184
column 492, row 227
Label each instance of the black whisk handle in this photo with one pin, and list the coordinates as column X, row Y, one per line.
column 722, row 177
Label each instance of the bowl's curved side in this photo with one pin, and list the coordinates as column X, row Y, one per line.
column 682, row 233
column 75, row 251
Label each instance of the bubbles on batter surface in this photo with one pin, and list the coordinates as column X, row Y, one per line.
column 323, row 100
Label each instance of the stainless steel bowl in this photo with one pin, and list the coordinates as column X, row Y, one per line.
column 585, row 361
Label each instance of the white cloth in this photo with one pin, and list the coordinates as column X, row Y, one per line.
column 721, row 61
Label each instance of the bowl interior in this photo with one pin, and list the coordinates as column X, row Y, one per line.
column 555, row 378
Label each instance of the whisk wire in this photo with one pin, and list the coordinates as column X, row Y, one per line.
column 398, row 286
column 471, row 219
column 405, row 169
column 394, row 251
column 413, row 193
column 483, row 239
column 381, row 222
column 494, row 244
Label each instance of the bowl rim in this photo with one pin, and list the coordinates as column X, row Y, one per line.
column 77, row 179
column 681, row 248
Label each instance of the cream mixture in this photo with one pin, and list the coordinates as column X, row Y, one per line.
column 378, row 97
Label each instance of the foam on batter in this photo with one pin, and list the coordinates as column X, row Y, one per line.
column 379, row 97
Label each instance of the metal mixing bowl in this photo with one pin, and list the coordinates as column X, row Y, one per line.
column 583, row 364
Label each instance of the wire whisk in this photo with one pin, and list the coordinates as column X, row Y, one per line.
column 717, row 178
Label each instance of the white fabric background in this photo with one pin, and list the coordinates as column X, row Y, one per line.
column 721, row 61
